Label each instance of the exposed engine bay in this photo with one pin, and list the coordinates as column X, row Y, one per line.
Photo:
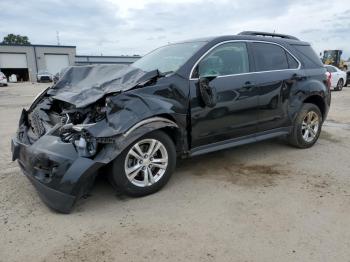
column 64, row 120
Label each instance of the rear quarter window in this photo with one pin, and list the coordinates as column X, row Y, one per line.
column 308, row 56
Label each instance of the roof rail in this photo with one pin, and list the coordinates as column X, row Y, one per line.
column 256, row 33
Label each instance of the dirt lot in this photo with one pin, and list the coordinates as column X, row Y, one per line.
column 260, row 202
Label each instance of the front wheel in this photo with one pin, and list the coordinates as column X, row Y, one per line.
column 307, row 127
column 145, row 166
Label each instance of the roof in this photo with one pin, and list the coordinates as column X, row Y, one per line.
column 259, row 38
column 275, row 38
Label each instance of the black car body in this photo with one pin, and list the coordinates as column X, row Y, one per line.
column 92, row 114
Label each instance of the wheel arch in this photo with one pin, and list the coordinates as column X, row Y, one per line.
column 318, row 101
column 175, row 131
column 148, row 125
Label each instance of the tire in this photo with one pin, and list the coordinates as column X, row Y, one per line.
column 298, row 136
column 136, row 187
column 340, row 85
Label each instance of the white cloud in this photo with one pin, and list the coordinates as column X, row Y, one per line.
column 114, row 27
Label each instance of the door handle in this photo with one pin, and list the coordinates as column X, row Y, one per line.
column 248, row 85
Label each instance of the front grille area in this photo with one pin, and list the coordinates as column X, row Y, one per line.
column 36, row 124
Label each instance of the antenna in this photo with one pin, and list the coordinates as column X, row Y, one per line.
column 58, row 37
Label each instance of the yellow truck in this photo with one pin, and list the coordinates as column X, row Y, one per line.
column 333, row 57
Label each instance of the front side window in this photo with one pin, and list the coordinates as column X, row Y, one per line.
column 269, row 57
column 226, row 59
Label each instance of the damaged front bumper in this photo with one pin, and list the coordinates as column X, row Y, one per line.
column 63, row 164
column 59, row 174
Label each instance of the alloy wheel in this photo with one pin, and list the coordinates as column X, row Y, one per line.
column 146, row 162
column 310, row 126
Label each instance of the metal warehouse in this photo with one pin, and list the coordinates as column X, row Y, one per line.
column 25, row 61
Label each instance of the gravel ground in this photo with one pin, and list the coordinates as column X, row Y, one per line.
column 260, row 202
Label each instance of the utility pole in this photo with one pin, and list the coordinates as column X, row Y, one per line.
column 58, row 37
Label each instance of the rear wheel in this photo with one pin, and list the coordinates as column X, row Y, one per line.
column 340, row 85
column 307, row 127
column 145, row 166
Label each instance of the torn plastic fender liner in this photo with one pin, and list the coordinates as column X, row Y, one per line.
column 111, row 150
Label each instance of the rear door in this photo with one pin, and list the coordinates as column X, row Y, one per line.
column 277, row 71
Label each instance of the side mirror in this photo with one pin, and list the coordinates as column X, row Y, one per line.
column 207, row 93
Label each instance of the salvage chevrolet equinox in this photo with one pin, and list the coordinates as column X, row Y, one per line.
column 181, row 100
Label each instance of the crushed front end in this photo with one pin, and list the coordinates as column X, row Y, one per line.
column 84, row 122
column 56, row 153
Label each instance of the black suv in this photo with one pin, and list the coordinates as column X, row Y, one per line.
column 181, row 100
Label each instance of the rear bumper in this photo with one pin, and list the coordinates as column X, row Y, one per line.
column 60, row 176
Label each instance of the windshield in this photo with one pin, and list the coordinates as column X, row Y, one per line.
column 168, row 58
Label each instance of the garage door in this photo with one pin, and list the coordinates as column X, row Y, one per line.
column 13, row 60
column 54, row 63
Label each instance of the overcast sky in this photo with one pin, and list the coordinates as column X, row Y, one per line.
column 113, row 27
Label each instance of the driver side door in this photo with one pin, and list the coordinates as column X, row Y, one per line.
column 235, row 113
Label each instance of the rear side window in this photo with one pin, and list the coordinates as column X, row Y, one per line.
column 269, row 57
column 308, row 56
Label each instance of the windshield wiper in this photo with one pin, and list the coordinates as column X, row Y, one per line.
column 162, row 74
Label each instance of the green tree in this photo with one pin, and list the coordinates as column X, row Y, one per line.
column 16, row 39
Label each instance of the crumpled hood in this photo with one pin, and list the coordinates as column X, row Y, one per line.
column 84, row 85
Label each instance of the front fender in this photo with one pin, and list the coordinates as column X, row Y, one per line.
column 111, row 150
column 126, row 110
